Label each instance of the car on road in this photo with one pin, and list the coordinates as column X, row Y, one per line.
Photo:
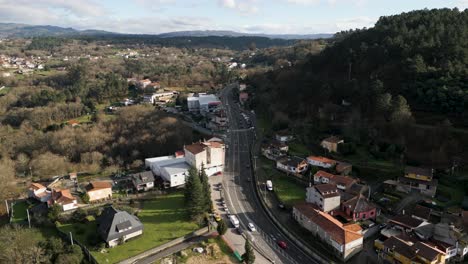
column 282, row 244
column 251, row 227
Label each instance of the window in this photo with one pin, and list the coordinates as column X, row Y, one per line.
column 372, row 213
column 321, row 199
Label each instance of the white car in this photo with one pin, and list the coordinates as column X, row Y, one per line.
column 251, row 227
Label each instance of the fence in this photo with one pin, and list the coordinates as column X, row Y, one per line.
column 86, row 251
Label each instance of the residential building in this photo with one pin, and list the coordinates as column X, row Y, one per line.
column 343, row 168
column 283, row 136
column 99, row 190
column 63, row 198
column 419, row 180
column 325, row 196
column 143, row 181
column 143, row 83
column 346, row 240
column 293, row 164
column 341, row 182
column 359, row 208
column 396, row 249
column 39, row 192
column 115, row 226
column 210, row 154
column 422, row 213
column 274, row 149
column 149, row 98
column 331, row 143
column 322, row 162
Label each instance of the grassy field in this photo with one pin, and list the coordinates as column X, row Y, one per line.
column 5, row 90
column 163, row 218
column 297, row 149
column 289, row 191
column 19, row 212
column 453, row 192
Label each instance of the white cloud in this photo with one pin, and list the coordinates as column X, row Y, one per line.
column 330, row 2
column 462, row 4
column 241, row 6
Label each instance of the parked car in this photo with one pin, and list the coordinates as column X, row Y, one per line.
column 282, row 244
column 251, row 227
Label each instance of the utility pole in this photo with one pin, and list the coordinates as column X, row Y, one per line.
column 71, row 238
column 7, row 208
column 29, row 218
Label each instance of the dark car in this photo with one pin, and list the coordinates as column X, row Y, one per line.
column 282, row 244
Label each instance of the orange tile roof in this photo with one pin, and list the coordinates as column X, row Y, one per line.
column 336, row 179
column 98, row 185
column 334, row 228
column 37, row 186
column 322, row 159
column 195, row 148
column 62, row 196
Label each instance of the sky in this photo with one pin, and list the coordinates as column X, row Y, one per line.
column 249, row 16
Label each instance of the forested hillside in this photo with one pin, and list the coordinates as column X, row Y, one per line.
column 382, row 81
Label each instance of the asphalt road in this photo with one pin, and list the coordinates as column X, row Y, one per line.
column 240, row 192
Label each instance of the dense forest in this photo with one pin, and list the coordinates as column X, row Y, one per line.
column 378, row 84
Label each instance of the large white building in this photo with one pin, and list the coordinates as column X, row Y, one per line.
column 174, row 169
column 325, row 196
column 203, row 103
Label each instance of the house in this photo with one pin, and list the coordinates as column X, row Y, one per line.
column 143, row 83
column 242, row 87
column 99, row 190
column 210, row 154
column 346, row 240
column 39, row 192
column 399, row 250
column 115, row 226
column 172, row 169
column 143, row 181
column 293, row 164
column 325, row 196
column 274, row 149
column 155, row 85
column 359, row 208
column 63, row 198
column 331, row 143
column 149, row 98
column 417, row 179
column 343, row 168
column 422, row 213
column 322, row 162
column 341, row 182
column 283, row 136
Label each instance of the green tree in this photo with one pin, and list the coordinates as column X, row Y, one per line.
column 249, row 255
column 222, row 227
column 54, row 212
column 206, row 189
column 401, row 111
column 193, row 194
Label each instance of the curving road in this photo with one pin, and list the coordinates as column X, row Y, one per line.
column 240, row 189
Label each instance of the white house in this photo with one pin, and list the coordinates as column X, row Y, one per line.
column 39, row 192
column 210, row 154
column 170, row 168
column 325, row 196
column 63, row 198
column 321, row 162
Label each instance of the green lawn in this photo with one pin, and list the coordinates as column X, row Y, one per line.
column 289, row 191
column 19, row 212
column 163, row 218
column 454, row 193
column 297, row 149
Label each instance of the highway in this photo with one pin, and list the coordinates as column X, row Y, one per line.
column 240, row 188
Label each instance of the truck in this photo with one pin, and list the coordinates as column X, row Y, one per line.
column 234, row 221
column 269, row 185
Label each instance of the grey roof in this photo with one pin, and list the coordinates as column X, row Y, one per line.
column 176, row 168
column 114, row 224
column 142, row 177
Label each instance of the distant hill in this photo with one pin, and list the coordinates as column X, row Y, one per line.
column 223, row 33
column 14, row 30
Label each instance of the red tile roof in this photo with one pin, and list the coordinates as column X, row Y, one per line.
column 327, row 190
column 63, row 196
column 195, row 148
column 336, row 179
column 322, row 159
column 335, row 229
column 36, row 186
column 98, row 185
column 358, row 204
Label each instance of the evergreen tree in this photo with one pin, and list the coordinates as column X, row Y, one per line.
column 194, row 197
column 222, row 227
column 249, row 255
column 206, row 189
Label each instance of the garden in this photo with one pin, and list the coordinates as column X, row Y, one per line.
column 164, row 219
